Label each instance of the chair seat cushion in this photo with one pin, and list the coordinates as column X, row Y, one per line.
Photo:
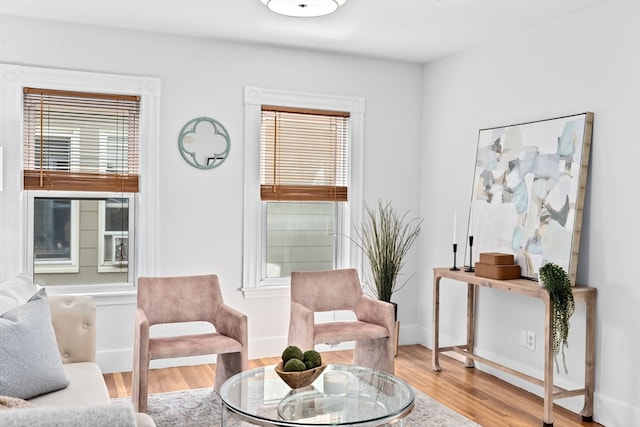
column 192, row 345
column 337, row 332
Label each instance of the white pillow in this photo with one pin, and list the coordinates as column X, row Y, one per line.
column 15, row 292
column 31, row 363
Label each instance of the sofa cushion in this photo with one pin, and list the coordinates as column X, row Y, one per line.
column 15, row 292
column 109, row 415
column 86, row 388
column 31, row 363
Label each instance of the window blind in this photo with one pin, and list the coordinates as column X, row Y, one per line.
column 76, row 141
column 303, row 154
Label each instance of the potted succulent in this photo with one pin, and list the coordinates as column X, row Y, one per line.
column 385, row 237
column 556, row 281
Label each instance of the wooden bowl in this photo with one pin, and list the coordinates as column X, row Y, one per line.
column 299, row 379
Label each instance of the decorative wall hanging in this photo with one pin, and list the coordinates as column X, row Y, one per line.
column 528, row 191
column 204, row 143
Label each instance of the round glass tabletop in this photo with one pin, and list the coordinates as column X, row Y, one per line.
column 341, row 395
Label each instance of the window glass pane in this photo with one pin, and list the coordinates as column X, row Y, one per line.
column 114, row 152
column 116, row 232
column 56, row 153
column 52, row 230
column 300, row 236
column 116, row 215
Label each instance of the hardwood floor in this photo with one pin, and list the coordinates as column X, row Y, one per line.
column 481, row 397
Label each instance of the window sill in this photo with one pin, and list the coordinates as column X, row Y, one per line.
column 266, row 292
column 112, row 294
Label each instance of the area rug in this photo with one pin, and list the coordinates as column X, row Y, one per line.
column 201, row 408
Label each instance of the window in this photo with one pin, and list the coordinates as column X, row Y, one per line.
column 79, row 148
column 303, row 166
column 303, row 181
column 17, row 211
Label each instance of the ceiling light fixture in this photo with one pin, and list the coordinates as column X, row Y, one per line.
column 303, row 8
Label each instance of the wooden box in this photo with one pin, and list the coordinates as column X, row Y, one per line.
column 496, row 258
column 500, row 272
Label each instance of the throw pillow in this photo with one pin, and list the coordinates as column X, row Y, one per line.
column 15, row 292
column 31, row 363
column 7, row 402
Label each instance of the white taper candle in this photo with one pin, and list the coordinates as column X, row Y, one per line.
column 455, row 215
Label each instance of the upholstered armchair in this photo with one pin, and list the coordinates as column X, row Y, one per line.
column 320, row 291
column 186, row 299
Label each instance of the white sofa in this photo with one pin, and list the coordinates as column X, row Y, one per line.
column 85, row 401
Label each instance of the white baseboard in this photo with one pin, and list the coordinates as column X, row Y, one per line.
column 115, row 360
column 121, row 360
column 612, row 413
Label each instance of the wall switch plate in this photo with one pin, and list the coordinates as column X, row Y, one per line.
column 523, row 338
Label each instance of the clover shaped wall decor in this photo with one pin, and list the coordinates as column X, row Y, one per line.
column 204, row 143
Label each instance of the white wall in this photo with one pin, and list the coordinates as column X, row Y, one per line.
column 199, row 226
column 585, row 62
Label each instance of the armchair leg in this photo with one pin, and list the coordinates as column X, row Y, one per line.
column 375, row 353
column 397, row 336
column 227, row 365
column 140, row 389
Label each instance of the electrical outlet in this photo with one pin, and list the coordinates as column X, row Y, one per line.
column 531, row 341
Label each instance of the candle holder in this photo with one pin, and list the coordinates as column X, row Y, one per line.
column 455, row 250
column 470, row 269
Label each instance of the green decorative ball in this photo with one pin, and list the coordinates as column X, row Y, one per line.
column 313, row 358
column 294, row 365
column 292, row 352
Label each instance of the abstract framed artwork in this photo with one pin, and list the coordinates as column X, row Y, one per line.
column 528, row 192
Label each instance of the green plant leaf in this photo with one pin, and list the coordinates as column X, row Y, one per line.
column 385, row 237
column 556, row 281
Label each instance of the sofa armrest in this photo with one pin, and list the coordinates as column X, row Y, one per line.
column 74, row 322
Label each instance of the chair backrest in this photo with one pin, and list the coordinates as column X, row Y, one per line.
column 180, row 298
column 326, row 290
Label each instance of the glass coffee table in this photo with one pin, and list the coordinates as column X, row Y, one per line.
column 341, row 395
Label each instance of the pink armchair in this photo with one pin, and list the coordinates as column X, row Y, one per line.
column 373, row 331
column 186, row 299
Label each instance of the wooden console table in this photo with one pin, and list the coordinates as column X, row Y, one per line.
column 532, row 289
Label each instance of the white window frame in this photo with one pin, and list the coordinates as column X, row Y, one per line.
column 14, row 79
column 254, row 227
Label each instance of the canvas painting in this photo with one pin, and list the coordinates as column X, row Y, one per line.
column 528, row 192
